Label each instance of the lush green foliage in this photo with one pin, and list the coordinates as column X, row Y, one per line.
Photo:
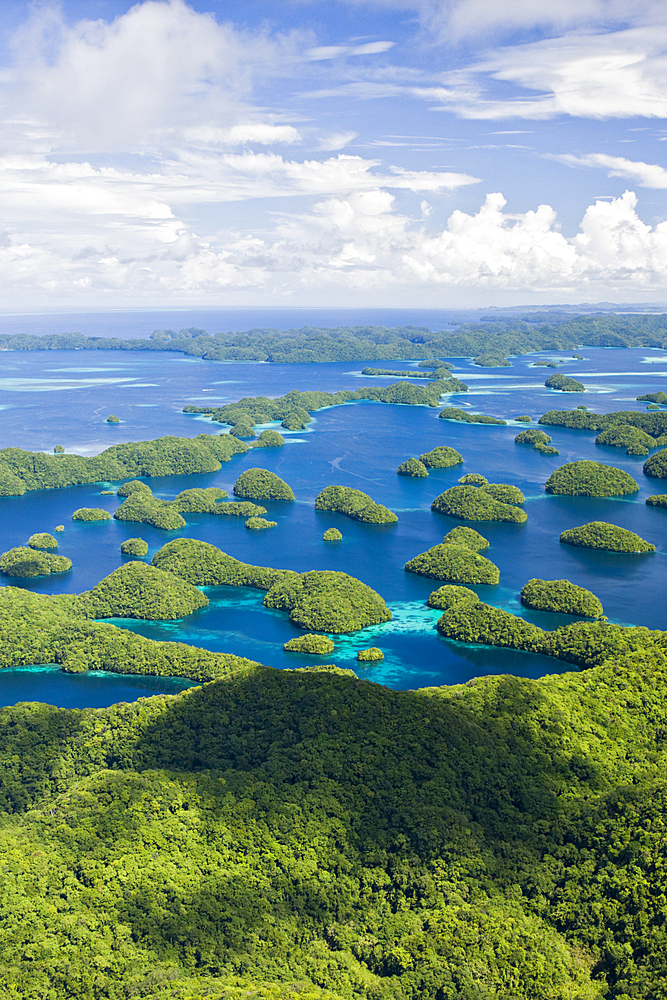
column 657, row 500
column 602, row 535
column 656, row 465
column 489, row 359
column 197, row 500
column 355, row 504
column 455, row 413
column 205, row 565
column 468, row 537
column 564, row 383
column 58, row 450
column 633, row 439
column 143, row 508
column 42, row 540
column 456, row 563
column 133, row 486
column 327, row 601
column 91, row 514
column 136, row 590
column 332, row 535
column 450, row 595
column 435, row 363
column 25, row 562
column 412, row 467
column 371, row 655
column 473, row 503
column 238, row 508
column 441, row 457
column 532, row 436
column 311, row 643
column 590, row 479
column 21, row 471
column 113, row 419
column 269, row 439
column 134, row 547
column 561, row 596
column 505, row 493
column 653, row 397
column 545, row 449
column 524, row 418
column 260, row 484
column 59, row 527
column 259, row 523
column 473, row 479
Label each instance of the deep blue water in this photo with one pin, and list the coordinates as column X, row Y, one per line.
column 64, row 398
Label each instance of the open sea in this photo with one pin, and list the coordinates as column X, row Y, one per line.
column 64, row 397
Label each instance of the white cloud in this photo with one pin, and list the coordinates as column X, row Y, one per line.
column 257, row 133
column 649, row 175
column 322, row 52
column 336, row 140
column 614, row 75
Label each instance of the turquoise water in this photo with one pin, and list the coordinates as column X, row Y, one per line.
column 64, row 398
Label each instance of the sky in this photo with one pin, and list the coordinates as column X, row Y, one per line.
column 395, row 153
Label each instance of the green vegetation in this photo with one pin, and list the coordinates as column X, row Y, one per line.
column 455, row 413
column 656, row 466
column 450, row 384
column 601, row 535
column 355, row 504
column 58, row 450
column 491, row 360
column 590, row 479
column 562, row 597
column 107, row 493
column 136, row 590
column 59, row 527
column 449, row 596
column 456, row 563
column 633, row 439
column 654, row 397
column 473, row 479
column 320, row 600
column 21, row 471
column 269, row 439
column 564, row 383
column 532, row 436
column 412, row 467
column 134, row 486
column 332, row 535
column 242, row 430
column 322, row 838
column 260, row 484
column 26, row 562
column 238, row 508
column 38, row 629
column 658, row 500
column 260, row 523
column 113, row 419
column 198, row 501
column 134, row 547
column 505, row 493
column 524, row 418
column 294, row 408
column 143, row 508
column 370, row 655
column 545, row 449
column 468, row 537
column 315, row 645
column 473, row 503
column 91, row 514
column 435, row 363
column 441, row 457
column 43, row 540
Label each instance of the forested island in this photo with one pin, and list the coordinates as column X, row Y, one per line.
column 354, row 504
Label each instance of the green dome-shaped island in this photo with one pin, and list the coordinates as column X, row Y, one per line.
column 412, row 467
column 355, row 504
column 441, row 457
column 134, row 486
column 370, row 655
column 450, row 596
column 468, row 537
column 91, row 514
column 332, row 535
column 136, row 590
column 197, row 500
column 134, row 547
column 601, row 535
column 473, row 479
column 260, row 523
column 42, row 540
column 143, row 508
column 590, row 479
column 561, row 596
column 24, row 562
column 455, row 563
column 656, row 466
column 269, row 439
column 260, row 484
column 314, row 645
column 473, row 503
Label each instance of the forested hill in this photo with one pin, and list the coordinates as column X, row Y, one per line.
column 297, row 834
column 367, row 343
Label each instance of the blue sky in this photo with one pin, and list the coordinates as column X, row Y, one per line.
column 436, row 153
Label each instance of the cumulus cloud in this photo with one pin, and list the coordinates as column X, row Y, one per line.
column 649, row 175
column 362, row 245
